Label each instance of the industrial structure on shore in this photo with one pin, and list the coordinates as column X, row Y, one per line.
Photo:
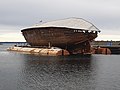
column 71, row 34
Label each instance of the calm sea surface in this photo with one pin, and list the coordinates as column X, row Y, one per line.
column 19, row 71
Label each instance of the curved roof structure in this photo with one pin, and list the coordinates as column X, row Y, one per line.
column 74, row 23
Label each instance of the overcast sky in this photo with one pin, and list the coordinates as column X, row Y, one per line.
column 17, row 14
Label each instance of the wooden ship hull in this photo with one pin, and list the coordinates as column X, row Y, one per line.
column 74, row 40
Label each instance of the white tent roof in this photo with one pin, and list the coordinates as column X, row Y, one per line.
column 74, row 23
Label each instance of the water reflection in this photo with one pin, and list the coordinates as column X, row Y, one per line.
column 71, row 72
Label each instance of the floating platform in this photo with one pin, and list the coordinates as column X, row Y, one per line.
column 53, row 51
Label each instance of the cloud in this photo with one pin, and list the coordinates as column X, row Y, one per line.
column 108, row 37
column 28, row 12
column 9, row 29
column 12, row 37
column 105, row 14
column 10, row 33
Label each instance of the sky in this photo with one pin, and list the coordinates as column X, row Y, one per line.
column 18, row 14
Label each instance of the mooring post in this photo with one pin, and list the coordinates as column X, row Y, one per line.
column 62, row 52
column 49, row 45
column 106, row 51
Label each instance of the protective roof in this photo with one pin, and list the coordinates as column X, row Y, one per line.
column 74, row 23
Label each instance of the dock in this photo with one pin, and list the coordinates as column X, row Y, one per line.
column 106, row 47
column 97, row 47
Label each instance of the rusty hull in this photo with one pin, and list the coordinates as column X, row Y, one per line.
column 73, row 40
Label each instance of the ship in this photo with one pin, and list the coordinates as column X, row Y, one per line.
column 72, row 34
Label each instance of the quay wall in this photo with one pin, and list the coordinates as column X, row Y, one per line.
column 105, row 43
column 105, row 47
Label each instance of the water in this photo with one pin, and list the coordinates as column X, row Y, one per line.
column 19, row 71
